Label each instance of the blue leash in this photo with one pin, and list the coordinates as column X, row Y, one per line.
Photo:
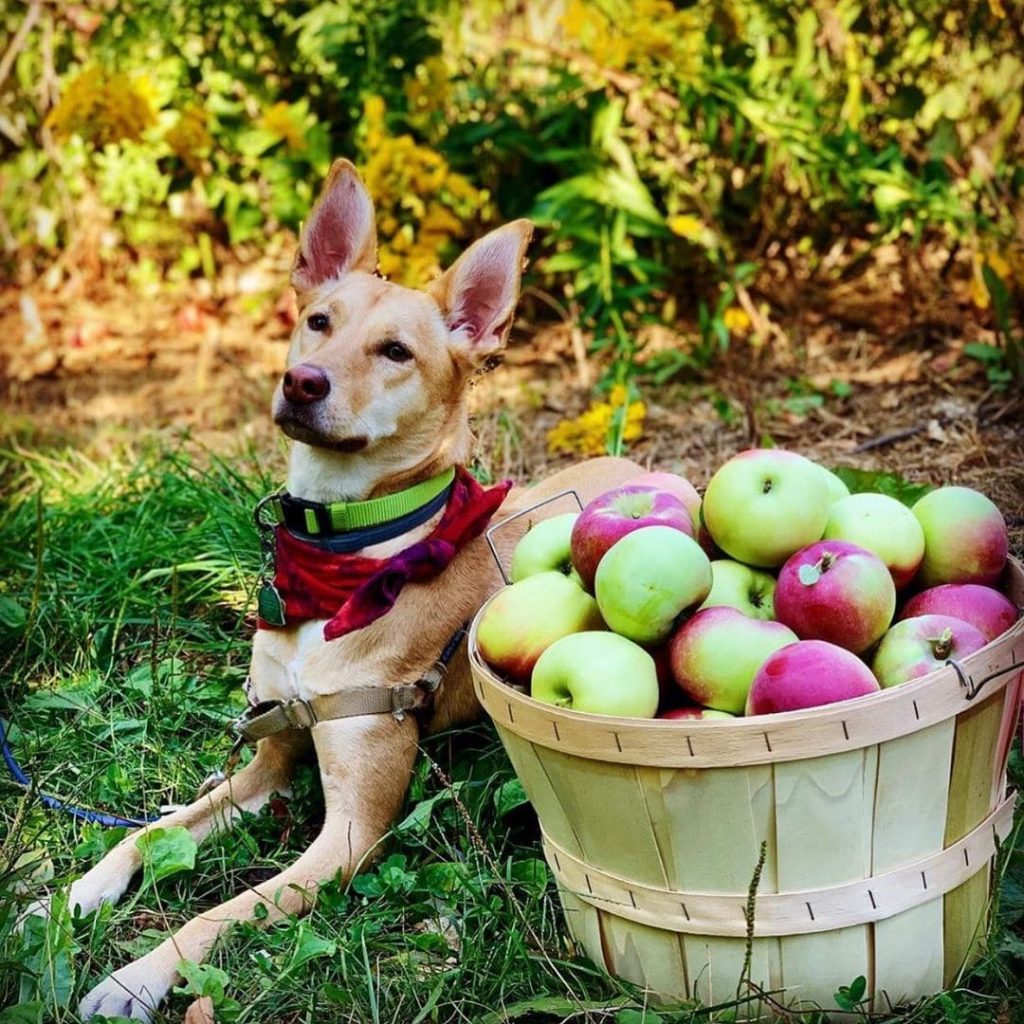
column 55, row 804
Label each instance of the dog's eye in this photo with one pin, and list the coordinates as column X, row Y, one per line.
column 395, row 351
column 318, row 322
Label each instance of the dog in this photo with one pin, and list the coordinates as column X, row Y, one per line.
column 375, row 402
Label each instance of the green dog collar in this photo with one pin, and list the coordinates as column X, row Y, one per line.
column 323, row 518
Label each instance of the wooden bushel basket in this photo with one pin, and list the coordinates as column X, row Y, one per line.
column 878, row 817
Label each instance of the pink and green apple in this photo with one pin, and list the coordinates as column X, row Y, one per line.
column 738, row 586
column 915, row 647
column 614, row 514
column 691, row 714
column 717, row 653
column 526, row 618
column 838, row 592
column 985, row 609
column 765, row 504
column 648, row 579
column 964, row 537
column 808, row 674
column 885, row 527
column 545, row 547
column 673, row 484
column 599, row 673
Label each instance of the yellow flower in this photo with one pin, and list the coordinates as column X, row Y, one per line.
column 686, row 226
column 422, row 205
column 1003, row 270
column 587, row 434
column 736, row 320
column 102, row 107
column 280, row 120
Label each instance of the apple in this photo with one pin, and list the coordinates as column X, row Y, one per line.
column 614, row 514
column 883, row 525
column 673, row 484
column 693, row 713
column 807, row 674
column 545, row 547
column 837, row 490
column 765, row 504
column 738, row 586
column 526, row 618
column 836, row 591
column 648, row 579
column 985, row 609
column 600, row 673
column 964, row 537
column 915, row 647
column 717, row 653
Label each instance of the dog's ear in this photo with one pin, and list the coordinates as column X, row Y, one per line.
column 478, row 293
column 340, row 234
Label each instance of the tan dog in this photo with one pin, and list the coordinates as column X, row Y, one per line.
column 375, row 400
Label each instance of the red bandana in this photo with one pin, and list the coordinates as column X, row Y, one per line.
column 352, row 591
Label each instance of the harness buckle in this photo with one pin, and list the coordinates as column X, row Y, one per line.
column 299, row 713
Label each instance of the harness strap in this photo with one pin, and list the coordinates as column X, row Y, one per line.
column 273, row 716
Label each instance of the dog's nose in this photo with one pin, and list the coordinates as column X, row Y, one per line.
column 305, row 384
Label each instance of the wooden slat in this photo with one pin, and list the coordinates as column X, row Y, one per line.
column 709, row 826
column 970, row 797
column 823, row 810
column 532, row 774
column 584, row 926
column 909, row 823
column 604, row 807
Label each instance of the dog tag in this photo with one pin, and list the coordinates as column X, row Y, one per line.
column 270, row 606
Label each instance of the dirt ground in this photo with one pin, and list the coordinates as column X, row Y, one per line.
column 88, row 361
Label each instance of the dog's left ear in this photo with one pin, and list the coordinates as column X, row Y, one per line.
column 478, row 292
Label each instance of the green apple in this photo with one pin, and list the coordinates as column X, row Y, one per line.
column 646, row 580
column 523, row 620
column 885, row 527
column 837, row 490
column 545, row 547
column 765, row 504
column 738, row 586
column 600, row 673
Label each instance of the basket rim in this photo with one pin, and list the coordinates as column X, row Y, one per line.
column 915, row 696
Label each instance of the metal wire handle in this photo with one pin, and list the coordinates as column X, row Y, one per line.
column 967, row 680
column 518, row 515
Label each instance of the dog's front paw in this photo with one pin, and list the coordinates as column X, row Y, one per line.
column 131, row 992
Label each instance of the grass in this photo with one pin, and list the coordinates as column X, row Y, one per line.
column 123, row 642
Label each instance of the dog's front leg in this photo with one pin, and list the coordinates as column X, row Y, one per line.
column 365, row 766
column 247, row 790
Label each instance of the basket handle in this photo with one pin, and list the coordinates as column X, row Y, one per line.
column 972, row 688
column 489, row 535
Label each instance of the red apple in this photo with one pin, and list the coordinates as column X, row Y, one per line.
column 806, row 675
column 690, row 714
column 985, row 609
column 673, row 484
column 964, row 537
column 717, row 653
column 915, row 647
column 837, row 592
column 610, row 516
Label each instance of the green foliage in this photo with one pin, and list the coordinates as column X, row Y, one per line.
column 666, row 152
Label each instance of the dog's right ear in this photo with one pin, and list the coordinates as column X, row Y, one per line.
column 340, row 234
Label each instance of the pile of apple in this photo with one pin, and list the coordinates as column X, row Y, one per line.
column 777, row 592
